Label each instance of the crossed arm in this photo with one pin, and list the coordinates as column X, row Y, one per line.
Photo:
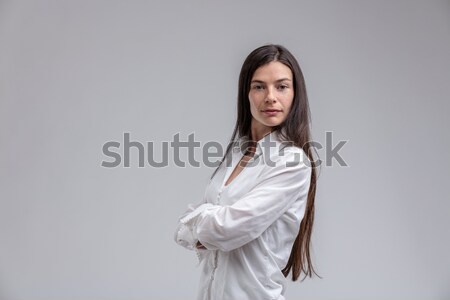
column 212, row 227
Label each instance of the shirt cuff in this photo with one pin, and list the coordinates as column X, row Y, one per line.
column 184, row 235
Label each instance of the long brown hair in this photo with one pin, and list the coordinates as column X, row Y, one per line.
column 296, row 130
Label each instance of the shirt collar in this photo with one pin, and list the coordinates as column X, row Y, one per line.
column 270, row 142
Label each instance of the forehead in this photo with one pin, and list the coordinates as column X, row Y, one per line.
column 272, row 71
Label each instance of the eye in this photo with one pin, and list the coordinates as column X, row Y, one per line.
column 283, row 87
column 257, row 87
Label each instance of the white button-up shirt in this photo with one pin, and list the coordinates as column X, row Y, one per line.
column 248, row 226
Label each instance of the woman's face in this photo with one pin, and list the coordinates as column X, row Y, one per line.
column 271, row 95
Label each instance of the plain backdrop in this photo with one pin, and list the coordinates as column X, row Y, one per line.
column 75, row 75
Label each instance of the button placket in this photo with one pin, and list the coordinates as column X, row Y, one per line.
column 218, row 197
column 211, row 278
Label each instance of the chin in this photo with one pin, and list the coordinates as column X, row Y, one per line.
column 268, row 123
column 272, row 124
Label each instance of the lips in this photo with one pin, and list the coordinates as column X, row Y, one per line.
column 271, row 110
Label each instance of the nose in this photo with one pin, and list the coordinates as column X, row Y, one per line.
column 270, row 96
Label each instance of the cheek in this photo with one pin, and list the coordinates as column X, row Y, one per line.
column 253, row 102
column 250, row 100
column 289, row 103
column 254, row 106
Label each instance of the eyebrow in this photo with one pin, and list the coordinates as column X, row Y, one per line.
column 279, row 80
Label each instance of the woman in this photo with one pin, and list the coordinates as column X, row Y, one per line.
column 255, row 221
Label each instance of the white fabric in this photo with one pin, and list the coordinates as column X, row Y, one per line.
column 249, row 226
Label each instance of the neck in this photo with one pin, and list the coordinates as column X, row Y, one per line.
column 259, row 133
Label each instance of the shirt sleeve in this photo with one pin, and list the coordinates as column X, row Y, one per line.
column 230, row 227
column 183, row 235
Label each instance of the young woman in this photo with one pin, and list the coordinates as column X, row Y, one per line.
column 254, row 223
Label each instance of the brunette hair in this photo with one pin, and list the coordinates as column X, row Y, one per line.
column 296, row 130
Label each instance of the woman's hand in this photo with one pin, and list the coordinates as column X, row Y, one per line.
column 199, row 245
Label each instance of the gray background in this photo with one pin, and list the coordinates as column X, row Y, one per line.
column 76, row 74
